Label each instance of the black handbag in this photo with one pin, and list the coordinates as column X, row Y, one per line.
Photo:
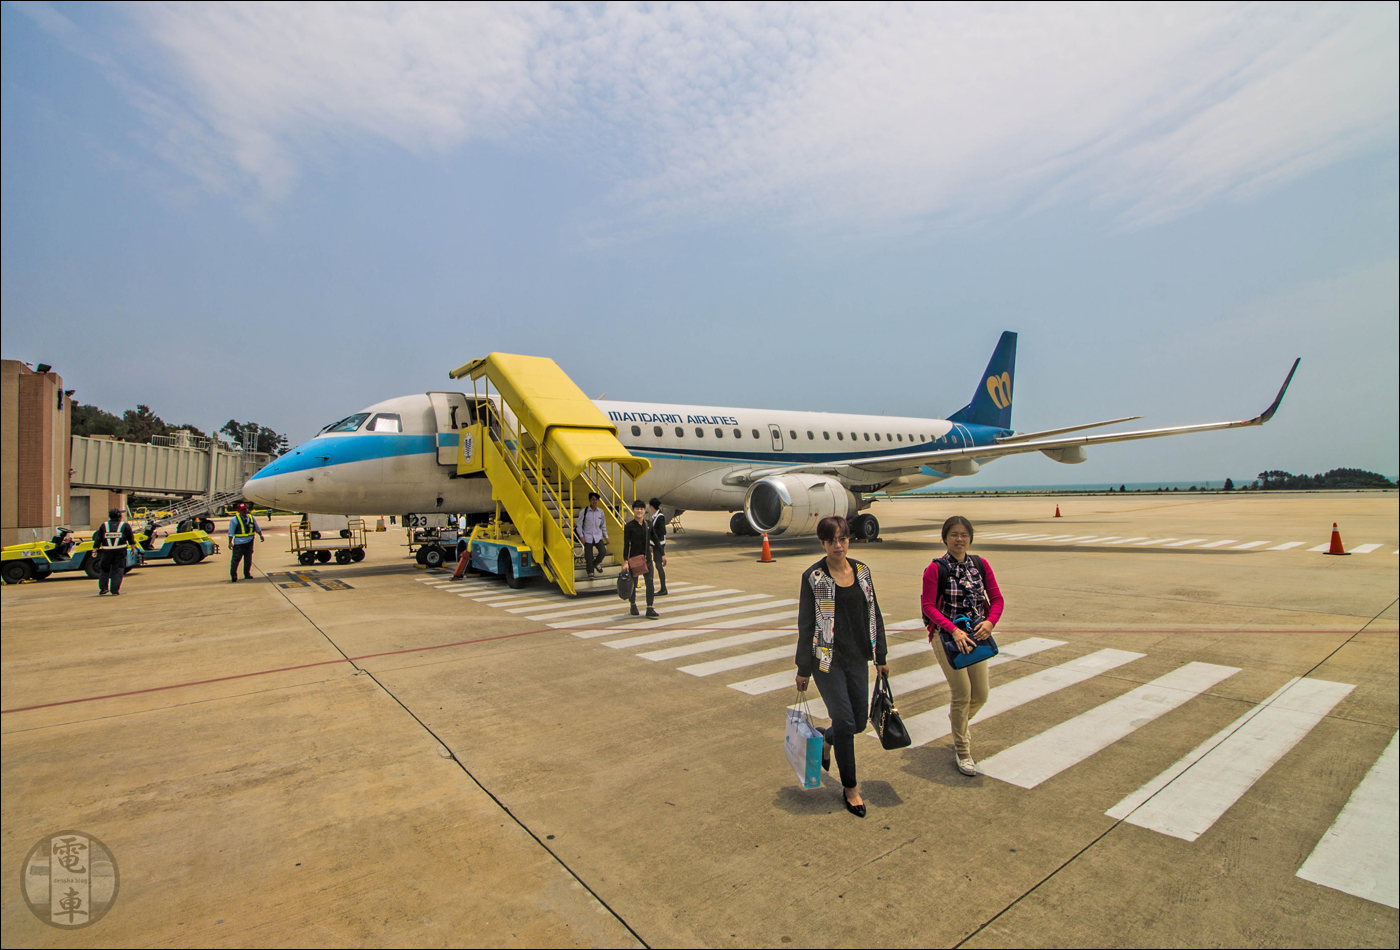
column 884, row 717
column 626, row 584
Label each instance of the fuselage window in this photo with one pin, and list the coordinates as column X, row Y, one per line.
column 867, row 436
column 810, row 437
column 738, row 433
column 636, row 430
column 841, row 436
column 719, row 433
column 792, row 433
column 901, row 438
column 699, row 432
column 348, row 424
column 680, row 433
column 877, row 437
column 827, row 436
column 755, row 433
column 888, row 437
column 656, row 431
column 385, row 422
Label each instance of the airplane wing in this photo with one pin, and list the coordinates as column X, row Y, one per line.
column 886, row 466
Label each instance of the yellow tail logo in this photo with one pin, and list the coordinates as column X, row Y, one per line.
column 999, row 388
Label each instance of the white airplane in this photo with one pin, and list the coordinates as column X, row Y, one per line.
column 779, row 471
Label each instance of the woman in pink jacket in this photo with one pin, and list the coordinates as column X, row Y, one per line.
column 956, row 585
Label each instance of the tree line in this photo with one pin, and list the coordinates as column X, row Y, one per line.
column 141, row 424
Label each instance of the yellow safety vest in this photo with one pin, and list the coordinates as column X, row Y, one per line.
column 242, row 527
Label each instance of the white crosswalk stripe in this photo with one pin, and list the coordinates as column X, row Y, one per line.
column 1220, row 544
column 1319, row 547
column 1360, row 853
column 925, row 727
column 746, row 659
column 905, row 683
column 1031, row 762
column 1247, row 545
column 1143, row 544
column 704, row 591
column 615, row 631
column 1128, row 540
column 1182, row 544
column 672, row 610
column 781, row 616
column 1186, row 799
column 784, row 679
column 1365, row 548
column 1287, row 546
column 744, row 608
column 723, row 643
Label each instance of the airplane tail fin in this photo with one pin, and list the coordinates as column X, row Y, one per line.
column 991, row 403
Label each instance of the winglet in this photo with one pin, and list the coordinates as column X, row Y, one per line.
column 1268, row 413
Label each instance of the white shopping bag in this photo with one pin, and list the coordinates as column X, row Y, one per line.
column 803, row 746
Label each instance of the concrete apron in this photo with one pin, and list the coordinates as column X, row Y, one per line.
column 315, row 804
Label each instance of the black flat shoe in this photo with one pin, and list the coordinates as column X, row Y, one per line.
column 857, row 810
column 826, row 757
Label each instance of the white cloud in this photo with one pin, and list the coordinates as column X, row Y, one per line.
column 858, row 115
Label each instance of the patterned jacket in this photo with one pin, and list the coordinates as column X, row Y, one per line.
column 816, row 617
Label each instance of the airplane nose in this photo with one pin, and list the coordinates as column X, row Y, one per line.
column 262, row 490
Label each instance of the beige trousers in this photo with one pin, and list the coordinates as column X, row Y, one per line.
column 969, row 686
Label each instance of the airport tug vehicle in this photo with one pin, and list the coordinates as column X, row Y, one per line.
column 318, row 538
column 39, row 560
column 497, row 548
column 182, row 547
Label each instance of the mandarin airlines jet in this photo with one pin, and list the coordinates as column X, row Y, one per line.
column 779, row 471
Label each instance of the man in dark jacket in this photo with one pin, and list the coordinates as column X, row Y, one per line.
column 636, row 543
column 111, row 541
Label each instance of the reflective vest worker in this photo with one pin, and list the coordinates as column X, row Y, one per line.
column 110, row 543
column 241, row 528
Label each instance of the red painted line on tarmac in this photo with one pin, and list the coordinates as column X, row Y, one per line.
column 280, row 669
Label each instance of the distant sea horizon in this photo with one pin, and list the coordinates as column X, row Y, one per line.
column 961, row 486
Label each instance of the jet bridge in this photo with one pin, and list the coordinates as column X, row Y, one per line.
column 544, row 446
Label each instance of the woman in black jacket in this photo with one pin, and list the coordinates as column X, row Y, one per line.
column 636, row 540
column 839, row 632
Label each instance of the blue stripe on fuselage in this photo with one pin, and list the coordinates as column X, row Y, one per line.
column 322, row 451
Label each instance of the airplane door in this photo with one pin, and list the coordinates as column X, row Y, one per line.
column 777, row 435
column 452, row 414
column 963, row 435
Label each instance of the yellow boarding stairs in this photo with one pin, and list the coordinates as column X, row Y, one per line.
column 544, row 446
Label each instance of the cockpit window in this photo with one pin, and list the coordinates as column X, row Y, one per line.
column 386, row 422
column 348, row 424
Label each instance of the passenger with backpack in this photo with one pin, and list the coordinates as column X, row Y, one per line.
column 961, row 605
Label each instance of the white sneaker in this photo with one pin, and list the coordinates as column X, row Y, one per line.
column 967, row 766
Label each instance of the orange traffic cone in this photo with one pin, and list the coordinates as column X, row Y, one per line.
column 462, row 565
column 1336, row 547
column 767, row 557
column 1057, row 511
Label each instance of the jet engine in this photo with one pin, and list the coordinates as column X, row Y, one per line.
column 1069, row 455
column 793, row 504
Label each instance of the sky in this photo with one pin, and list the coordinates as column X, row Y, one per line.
column 284, row 213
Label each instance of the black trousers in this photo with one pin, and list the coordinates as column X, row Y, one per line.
column 845, row 689
column 244, row 553
column 659, row 553
column 593, row 554
column 110, row 571
column 651, row 589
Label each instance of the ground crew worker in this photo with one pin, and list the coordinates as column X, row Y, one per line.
column 658, row 544
column 241, row 528
column 112, row 539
